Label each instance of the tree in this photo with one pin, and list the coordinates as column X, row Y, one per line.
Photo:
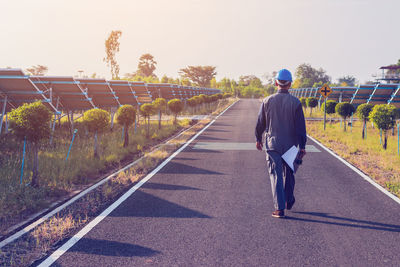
column 126, row 116
column 271, row 89
column 199, row 75
column 112, row 47
column 363, row 112
column 213, row 83
column 311, row 102
column 330, row 106
column 185, row 82
column 198, row 100
column 227, row 95
column 345, row 110
column 192, row 103
column 303, row 102
column 96, row 122
column 384, row 117
column 165, row 79
column 225, row 85
column 147, row 110
column 160, row 104
column 146, row 66
column 176, row 106
column 270, row 77
column 203, row 100
column 252, row 80
column 38, row 70
column 307, row 76
column 347, row 81
column 32, row 121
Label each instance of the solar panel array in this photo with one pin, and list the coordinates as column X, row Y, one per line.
column 67, row 94
column 380, row 93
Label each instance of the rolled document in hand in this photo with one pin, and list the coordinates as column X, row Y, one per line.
column 290, row 156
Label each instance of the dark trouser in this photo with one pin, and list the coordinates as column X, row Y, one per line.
column 282, row 180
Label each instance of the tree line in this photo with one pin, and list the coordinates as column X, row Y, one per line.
column 31, row 121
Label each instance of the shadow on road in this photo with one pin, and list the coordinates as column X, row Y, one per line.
column 216, row 130
column 112, row 248
column 198, row 150
column 216, row 124
column 354, row 223
column 180, row 168
column 209, row 138
column 189, row 159
column 159, row 186
column 146, row 205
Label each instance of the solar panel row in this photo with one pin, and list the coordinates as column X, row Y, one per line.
column 370, row 93
column 72, row 94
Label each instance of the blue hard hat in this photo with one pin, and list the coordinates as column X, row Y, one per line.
column 284, row 75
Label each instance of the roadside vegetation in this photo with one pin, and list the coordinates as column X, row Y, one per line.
column 369, row 141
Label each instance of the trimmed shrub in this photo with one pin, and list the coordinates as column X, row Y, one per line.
column 303, row 102
column 363, row 112
column 96, row 122
column 384, row 117
column 191, row 103
column 126, row 116
column 227, row 95
column 311, row 102
column 161, row 105
column 31, row 121
column 330, row 106
column 176, row 106
column 147, row 110
column 344, row 110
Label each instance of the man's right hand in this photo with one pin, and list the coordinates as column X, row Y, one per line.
column 259, row 146
column 302, row 153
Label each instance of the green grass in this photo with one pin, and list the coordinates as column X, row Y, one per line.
column 367, row 154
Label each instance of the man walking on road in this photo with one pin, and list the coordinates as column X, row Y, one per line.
column 281, row 117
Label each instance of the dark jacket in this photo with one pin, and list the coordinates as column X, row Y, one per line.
column 281, row 117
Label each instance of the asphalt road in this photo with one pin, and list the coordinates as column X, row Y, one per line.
column 211, row 207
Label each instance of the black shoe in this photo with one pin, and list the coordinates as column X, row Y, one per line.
column 289, row 205
column 278, row 214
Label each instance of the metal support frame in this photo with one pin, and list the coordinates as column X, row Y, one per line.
column 3, row 113
column 373, row 92
column 394, row 94
column 311, row 89
column 55, row 118
column 6, row 130
column 341, row 97
column 71, row 113
column 354, row 95
column 315, row 92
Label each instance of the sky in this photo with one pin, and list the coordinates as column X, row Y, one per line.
column 239, row 37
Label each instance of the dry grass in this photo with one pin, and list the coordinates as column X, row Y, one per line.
column 367, row 155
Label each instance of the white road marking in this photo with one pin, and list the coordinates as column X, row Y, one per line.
column 73, row 240
column 363, row 175
column 237, row 146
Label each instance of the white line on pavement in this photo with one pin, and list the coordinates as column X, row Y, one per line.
column 73, row 240
column 363, row 175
